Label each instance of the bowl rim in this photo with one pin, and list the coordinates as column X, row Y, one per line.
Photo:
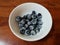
column 19, row 36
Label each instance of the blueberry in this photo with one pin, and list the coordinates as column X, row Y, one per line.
column 40, row 22
column 33, row 21
column 33, row 32
column 22, row 21
column 39, row 14
column 25, row 17
column 34, row 16
column 30, row 19
column 31, row 27
column 33, row 12
column 26, row 25
column 20, row 25
column 38, row 27
column 22, row 31
column 39, row 19
column 28, row 16
column 18, row 18
column 28, row 22
column 37, row 30
column 25, row 22
column 27, row 32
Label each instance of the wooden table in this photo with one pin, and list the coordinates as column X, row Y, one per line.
column 7, row 37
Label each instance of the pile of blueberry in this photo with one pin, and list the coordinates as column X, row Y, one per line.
column 30, row 24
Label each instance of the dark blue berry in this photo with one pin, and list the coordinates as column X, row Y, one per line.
column 39, row 14
column 37, row 30
column 33, row 21
column 26, row 25
column 27, row 32
column 33, row 12
column 40, row 22
column 31, row 27
column 29, row 16
column 34, row 16
column 25, row 17
column 20, row 25
column 22, row 31
column 18, row 18
column 28, row 22
column 38, row 27
column 33, row 32
column 22, row 21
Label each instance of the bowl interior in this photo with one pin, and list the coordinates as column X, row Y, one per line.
column 27, row 8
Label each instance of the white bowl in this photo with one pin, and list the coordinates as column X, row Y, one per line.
column 26, row 8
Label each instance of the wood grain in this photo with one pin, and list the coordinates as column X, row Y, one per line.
column 7, row 36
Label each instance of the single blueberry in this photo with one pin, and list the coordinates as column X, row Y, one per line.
column 33, row 32
column 37, row 30
column 31, row 27
column 27, row 32
column 20, row 25
column 22, row 31
column 38, row 27
column 28, row 22
column 26, row 25
column 34, row 16
column 18, row 18
column 40, row 22
column 33, row 12
column 39, row 14
column 33, row 21
column 39, row 18
column 28, row 16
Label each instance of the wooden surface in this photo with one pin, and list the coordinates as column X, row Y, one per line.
column 7, row 37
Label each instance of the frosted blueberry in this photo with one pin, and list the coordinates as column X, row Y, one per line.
column 22, row 21
column 28, row 16
column 33, row 21
column 33, row 12
column 22, row 31
column 26, row 25
column 39, row 16
column 18, row 18
column 31, row 27
column 27, row 32
column 28, row 22
column 40, row 22
column 33, row 32
column 20, row 25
